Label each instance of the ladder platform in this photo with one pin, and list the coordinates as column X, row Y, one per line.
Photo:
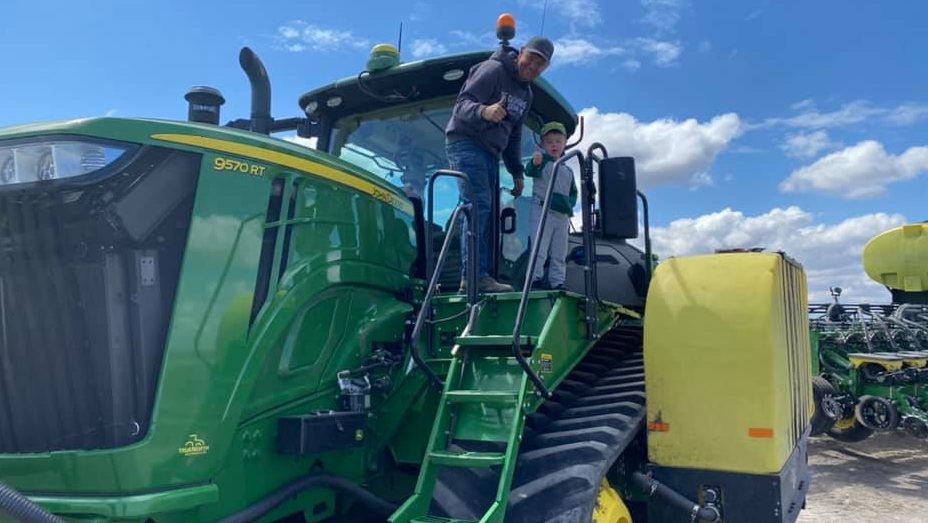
column 480, row 396
column 445, row 458
column 491, row 341
column 436, row 519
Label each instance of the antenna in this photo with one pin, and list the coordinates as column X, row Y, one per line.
column 399, row 43
column 544, row 13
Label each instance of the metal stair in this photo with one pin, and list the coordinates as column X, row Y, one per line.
column 482, row 404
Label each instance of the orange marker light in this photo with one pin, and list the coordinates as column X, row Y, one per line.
column 760, row 433
column 505, row 20
column 657, row 426
column 505, row 28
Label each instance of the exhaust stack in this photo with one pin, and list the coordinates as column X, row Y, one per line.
column 260, row 91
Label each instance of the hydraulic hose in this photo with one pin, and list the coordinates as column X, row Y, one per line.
column 652, row 487
column 261, row 508
column 23, row 509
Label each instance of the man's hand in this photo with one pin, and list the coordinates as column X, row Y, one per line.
column 517, row 185
column 494, row 113
column 536, row 159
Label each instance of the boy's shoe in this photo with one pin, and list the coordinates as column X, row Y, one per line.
column 559, row 288
column 486, row 284
column 539, row 285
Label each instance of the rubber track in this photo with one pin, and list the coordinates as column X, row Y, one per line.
column 568, row 445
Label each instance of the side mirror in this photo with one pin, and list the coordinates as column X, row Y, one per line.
column 618, row 198
column 507, row 220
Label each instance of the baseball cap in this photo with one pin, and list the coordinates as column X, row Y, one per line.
column 556, row 127
column 541, row 46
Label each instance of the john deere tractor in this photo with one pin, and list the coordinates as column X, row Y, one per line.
column 201, row 322
column 871, row 361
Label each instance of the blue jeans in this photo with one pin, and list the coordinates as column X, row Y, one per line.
column 482, row 170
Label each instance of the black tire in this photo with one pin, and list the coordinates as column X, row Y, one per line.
column 826, row 411
column 852, row 434
column 877, row 413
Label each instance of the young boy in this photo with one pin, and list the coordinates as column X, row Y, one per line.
column 554, row 238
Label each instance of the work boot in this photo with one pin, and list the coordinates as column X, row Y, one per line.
column 486, row 284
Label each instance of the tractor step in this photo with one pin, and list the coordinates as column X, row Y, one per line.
column 445, row 458
column 485, row 397
column 491, row 341
column 435, row 519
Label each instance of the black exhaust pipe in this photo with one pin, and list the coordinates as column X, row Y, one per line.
column 260, row 91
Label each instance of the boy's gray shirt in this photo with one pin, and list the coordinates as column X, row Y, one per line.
column 489, row 82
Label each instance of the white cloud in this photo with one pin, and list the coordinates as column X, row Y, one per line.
column 427, row 47
column 830, row 254
column 807, row 145
column 631, row 64
column 298, row 36
column 664, row 54
column 580, row 51
column 666, row 151
column 754, row 15
column 849, row 114
column 907, row 114
column 663, row 15
column 705, row 46
column 861, row 171
column 583, row 13
column 803, row 105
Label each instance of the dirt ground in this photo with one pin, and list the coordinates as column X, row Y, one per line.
column 883, row 478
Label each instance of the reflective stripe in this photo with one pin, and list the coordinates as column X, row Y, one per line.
column 294, row 162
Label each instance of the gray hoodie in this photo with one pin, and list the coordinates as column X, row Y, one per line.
column 489, row 82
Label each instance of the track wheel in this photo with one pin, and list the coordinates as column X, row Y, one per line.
column 849, row 430
column 827, row 409
column 609, row 506
column 877, row 413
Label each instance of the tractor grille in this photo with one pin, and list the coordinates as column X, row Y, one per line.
column 88, row 271
column 795, row 303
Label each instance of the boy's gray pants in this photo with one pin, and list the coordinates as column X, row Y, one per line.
column 553, row 243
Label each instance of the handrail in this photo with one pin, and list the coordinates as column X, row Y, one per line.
column 590, row 273
column 425, row 311
column 649, row 269
column 527, row 285
column 426, row 308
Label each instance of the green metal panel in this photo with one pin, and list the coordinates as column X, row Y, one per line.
column 225, row 382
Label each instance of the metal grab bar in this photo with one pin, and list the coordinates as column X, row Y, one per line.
column 425, row 310
column 590, row 274
column 530, row 270
column 648, row 265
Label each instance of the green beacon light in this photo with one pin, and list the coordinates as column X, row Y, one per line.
column 383, row 57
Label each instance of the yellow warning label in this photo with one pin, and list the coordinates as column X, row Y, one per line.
column 194, row 447
column 547, row 363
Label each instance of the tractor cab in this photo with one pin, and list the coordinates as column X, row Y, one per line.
column 390, row 120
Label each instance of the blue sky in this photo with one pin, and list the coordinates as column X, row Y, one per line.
column 792, row 125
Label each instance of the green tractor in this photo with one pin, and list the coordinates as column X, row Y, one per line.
column 205, row 323
column 871, row 361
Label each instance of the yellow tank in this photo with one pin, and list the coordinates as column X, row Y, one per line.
column 898, row 258
column 726, row 352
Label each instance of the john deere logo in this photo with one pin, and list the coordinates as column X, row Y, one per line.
column 194, row 447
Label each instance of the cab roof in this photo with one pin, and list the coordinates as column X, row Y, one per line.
column 418, row 81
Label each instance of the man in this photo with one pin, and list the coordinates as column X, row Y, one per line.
column 486, row 123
